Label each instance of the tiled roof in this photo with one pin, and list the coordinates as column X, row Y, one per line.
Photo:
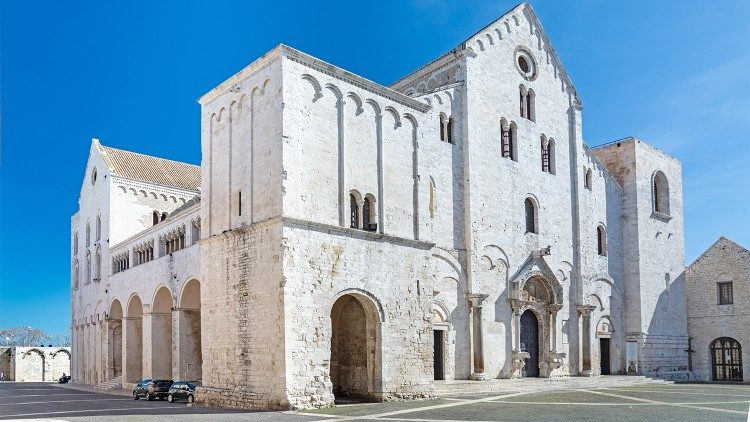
column 150, row 169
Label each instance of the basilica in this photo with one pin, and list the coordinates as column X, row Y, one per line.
column 343, row 238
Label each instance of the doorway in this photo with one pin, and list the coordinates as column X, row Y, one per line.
column 604, row 356
column 439, row 354
column 530, row 343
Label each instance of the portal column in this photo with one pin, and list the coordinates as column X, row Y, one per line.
column 584, row 329
column 477, row 336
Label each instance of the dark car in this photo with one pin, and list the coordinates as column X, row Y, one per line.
column 63, row 379
column 151, row 389
column 181, row 390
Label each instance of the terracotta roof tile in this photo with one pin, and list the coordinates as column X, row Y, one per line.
column 150, row 169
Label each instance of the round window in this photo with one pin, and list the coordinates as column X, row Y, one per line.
column 525, row 63
column 93, row 176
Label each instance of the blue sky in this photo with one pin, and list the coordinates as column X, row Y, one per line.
column 673, row 73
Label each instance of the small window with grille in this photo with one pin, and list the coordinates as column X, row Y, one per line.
column 726, row 295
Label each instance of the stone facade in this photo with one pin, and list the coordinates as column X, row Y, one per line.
column 34, row 364
column 709, row 320
column 360, row 240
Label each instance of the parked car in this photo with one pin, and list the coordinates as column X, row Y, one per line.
column 151, row 389
column 63, row 379
column 181, row 390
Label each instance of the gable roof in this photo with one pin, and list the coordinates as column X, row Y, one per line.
column 451, row 55
column 725, row 241
column 146, row 168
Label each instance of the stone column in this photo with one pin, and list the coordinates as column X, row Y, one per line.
column 477, row 335
column 584, row 343
column 187, row 350
column 157, row 345
column 132, row 349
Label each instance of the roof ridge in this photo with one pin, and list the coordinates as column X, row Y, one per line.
column 149, row 156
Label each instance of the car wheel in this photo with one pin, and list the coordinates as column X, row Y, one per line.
column 191, row 399
column 135, row 395
column 170, row 398
column 149, row 397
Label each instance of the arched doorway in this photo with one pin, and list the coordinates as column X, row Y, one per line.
column 726, row 359
column 33, row 362
column 114, row 340
column 133, row 332
column 355, row 349
column 530, row 343
column 160, row 357
column 189, row 338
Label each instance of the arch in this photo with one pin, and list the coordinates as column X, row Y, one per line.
column 132, row 333
column 443, row 123
column 356, row 347
column 551, row 156
column 369, row 213
column 587, row 179
column 439, row 100
column 396, row 116
column 357, row 102
column 355, row 216
column 496, row 254
column 440, row 311
column 489, row 38
column 481, row 45
column 35, row 363
column 59, row 364
column 660, row 192
column 604, row 327
column 98, row 226
column 499, row 33
column 161, row 334
column 601, row 240
column 450, row 129
column 189, row 345
column 315, row 84
column 530, row 105
column 726, row 359
column 532, row 218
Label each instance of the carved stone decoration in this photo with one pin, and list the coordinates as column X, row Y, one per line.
column 535, row 288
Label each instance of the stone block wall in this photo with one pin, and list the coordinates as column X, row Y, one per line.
column 707, row 320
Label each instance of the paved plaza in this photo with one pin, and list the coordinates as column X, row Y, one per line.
column 595, row 399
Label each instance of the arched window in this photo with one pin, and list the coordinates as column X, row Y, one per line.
column 76, row 274
column 354, row 211
column 442, row 127
column 88, row 267
column 98, row 227
column 98, row 264
column 545, row 154
column 88, row 234
column 368, row 214
column 508, row 140
column 587, row 182
column 522, row 100
column 530, row 112
column 551, row 156
column 601, row 240
column 449, row 129
column 163, row 216
column 531, row 216
column 661, row 193
column 155, row 217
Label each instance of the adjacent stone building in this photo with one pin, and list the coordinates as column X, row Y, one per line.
column 34, row 364
column 718, row 305
column 342, row 237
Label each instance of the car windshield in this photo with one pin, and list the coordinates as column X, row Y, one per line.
column 191, row 386
column 163, row 383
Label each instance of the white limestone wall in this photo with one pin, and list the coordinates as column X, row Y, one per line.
column 40, row 364
column 376, row 138
column 93, row 201
column 322, row 263
column 133, row 204
column 241, row 138
column 499, row 186
column 707, row 320
column 654, row 256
